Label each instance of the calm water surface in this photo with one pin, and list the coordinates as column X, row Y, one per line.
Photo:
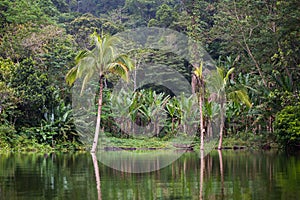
column 226, row 175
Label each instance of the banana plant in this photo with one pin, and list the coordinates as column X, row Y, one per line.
column 173, row 110
column 187, row 113
column 153, row 110
column 58, row 124
column 121, row 105
column 210, row 112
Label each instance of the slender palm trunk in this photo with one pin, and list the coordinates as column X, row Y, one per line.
column 96, row 136
column 173, row 124
column 209, row 128
column 201, row 122
column 198, row 81
column 221, row 125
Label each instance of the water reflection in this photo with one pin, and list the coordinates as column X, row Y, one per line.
column 221, row 172
column 138, row 161
column 43, row 176
column 97, row 175
column 220, row 175
column 202, row 165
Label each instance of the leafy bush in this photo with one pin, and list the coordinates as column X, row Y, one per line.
column 11, row 141
column 287, row 126
column 6, row 134
column 25, row 144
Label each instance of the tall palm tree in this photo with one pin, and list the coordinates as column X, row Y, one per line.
column 217, row 82
column 198, row 87
column 103, row 60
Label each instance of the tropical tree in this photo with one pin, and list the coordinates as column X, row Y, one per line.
column 217, row 86
column 103, row 60
column 198, row 86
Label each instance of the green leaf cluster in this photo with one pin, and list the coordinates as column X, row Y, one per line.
column 287, row 126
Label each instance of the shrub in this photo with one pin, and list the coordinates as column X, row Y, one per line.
column 287, row 126
column 6, row 133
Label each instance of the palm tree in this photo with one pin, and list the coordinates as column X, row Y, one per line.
column 103, row 60
column 198, row 85
column 217, row 82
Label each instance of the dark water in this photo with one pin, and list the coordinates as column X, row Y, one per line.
column 241, row 175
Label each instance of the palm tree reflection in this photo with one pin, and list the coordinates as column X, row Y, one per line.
column 97, row 175
column 221, row 173
column 202, row 165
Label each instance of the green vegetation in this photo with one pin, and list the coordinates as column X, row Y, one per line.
column 153, row 143
column 39, row 41
column 287, row 126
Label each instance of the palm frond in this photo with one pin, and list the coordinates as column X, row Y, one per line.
column 230, row 71
column 240, row 96
column 80, row 55
column 87, row 77
column 120, row 69
column 127, row 61
column 85, row 64
column 215, row 82
column 198, row 70
column 71, row 76
column 108, row 46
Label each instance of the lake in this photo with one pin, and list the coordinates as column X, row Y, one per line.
column 220, row 175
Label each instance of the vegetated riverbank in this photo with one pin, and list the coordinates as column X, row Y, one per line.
column 23, row 144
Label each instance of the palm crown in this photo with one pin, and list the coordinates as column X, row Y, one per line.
column 103, row 59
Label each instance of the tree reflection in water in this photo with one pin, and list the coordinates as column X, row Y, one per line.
column 97, row 175
column 222, row 174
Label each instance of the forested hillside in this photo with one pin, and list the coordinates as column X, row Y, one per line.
column 39, row 40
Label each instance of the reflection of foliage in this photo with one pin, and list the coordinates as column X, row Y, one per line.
column 71, row 176
column 52, row 175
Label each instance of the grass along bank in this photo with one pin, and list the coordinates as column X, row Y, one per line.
column 23, row 144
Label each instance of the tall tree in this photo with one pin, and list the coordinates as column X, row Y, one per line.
column 103, row 60
column 198, row 86
column 217, row 83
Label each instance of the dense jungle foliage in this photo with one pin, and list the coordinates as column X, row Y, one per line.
column 39, row 40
